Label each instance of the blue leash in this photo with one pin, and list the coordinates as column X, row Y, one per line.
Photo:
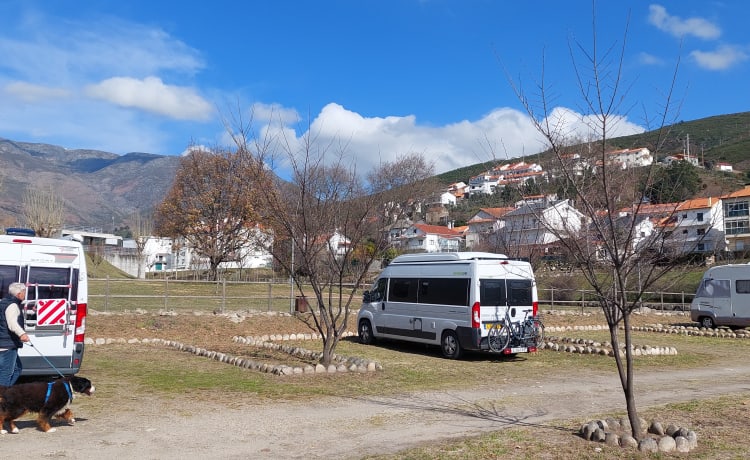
column 45, row 358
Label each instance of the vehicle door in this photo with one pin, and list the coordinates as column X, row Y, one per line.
column 376, row 300
column 715, row 295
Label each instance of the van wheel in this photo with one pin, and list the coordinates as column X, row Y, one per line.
column 366, row 336
column 707, row 322
column 449, row 345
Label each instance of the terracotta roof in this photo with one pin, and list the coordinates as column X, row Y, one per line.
column 697, row 203
column 739, row 193
column 437, row 230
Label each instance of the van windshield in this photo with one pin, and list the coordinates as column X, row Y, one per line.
column 714, row 288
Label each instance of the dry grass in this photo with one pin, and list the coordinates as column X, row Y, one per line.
column 721, row 423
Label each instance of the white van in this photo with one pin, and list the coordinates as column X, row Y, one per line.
column 723, row 297
column 450, row 300
column 54, row 271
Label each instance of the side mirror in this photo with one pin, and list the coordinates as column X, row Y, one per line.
column 367, row 297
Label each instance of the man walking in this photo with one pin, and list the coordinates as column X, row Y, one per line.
column 12, row 335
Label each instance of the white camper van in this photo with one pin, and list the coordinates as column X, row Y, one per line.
column 723, row 297
column 54, row 311
column 450, row 299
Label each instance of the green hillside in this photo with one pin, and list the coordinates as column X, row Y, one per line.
column 722, row 138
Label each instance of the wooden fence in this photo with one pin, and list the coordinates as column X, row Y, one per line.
column 111, row 295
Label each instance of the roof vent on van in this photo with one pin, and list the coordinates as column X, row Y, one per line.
column 18, row 231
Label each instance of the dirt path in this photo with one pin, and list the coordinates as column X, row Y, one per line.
column 351, row 428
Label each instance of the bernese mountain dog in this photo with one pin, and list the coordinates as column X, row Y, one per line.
column 47, row 399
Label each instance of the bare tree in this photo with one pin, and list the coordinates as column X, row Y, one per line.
column 43, row 210
column 211, row 205
column 142, row 229
column 331, row 219
column 611, row 251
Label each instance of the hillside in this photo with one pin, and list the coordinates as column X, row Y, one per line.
column 722, row 138
column 102, row 189
column 99, row 188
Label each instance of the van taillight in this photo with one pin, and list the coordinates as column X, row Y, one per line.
column 535, row 307
column 476, row 322
column 19, row 240
column 80, row 329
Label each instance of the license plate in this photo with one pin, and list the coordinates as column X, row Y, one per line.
column 489, row 326
column 519, row 350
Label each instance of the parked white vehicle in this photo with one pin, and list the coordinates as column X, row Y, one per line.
column 54, row 311
column 450, row 299
column 723, row 297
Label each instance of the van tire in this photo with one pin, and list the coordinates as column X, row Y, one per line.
column 366, row 336
column 450, row 346
column 707, row 322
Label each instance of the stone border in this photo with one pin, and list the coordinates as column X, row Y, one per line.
column 697, row 331
column 591, row 347
column 615, row 432
column 342, row 363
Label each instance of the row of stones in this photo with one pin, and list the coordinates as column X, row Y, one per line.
column 340, row 363
column 694, row 331
column 669, row 439
column 351, row 364
column 591, row 347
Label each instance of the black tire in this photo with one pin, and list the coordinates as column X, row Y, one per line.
column 707, row 322
column 450, row 346
column 498, row 338
column 366, row 336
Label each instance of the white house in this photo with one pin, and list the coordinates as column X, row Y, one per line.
column 631, row 158
column 484, row 224
column 430, row 238
column 698, row 227
column 540, row 223
column 723, row 167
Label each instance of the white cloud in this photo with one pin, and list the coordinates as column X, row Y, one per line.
column 679, row 27
column 649, row 59
column 502, row 134
column 722, row 58
column 151, row 94
column 29, row 92
column 274, row 113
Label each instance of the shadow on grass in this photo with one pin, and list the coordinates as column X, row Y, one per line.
column 421, row 349
column 458, row 408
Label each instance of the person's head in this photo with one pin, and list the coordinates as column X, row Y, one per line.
column 17, row 290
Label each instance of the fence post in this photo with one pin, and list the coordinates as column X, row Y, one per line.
column 166, row 290
column 583, row 300
column 223, row 294
column 106, row 295
column 270, row 294
column 552, row 297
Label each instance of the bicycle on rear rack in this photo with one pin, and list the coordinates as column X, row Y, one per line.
column 507, row 336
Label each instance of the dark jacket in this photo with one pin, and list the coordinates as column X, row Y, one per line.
column 9, row 339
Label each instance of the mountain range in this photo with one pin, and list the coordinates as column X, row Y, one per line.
column 99, row 189
column 102, row 190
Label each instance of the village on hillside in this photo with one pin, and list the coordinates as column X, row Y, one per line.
column 530, row 228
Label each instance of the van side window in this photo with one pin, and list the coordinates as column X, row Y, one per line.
column 492, row 292
column 8, row 274
column 519, row 293
column 714, row 288
column 742, row 286
column 444, row 291
column 403, row 290
column 378, row 291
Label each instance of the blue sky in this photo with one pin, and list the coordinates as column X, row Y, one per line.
column 384, row 77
